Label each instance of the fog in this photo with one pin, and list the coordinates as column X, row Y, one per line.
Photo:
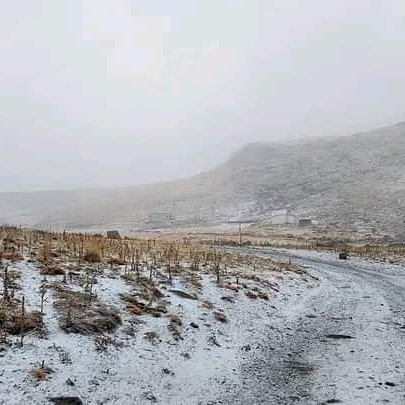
column 101, row 93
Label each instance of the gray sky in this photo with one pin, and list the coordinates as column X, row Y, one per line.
column 121, row 92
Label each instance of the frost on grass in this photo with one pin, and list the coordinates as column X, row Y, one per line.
column 81, row 313
column 145, row 298
column 136, row 322
column 14, row 322
column 15, row 317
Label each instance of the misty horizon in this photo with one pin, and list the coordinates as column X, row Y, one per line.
column 292, row 141
column 97, row 95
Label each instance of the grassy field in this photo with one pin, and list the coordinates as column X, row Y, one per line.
column 74, row 307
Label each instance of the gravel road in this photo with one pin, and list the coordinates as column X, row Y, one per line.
column 342, row 341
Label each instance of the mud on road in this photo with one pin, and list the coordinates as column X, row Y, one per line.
column 342, row 341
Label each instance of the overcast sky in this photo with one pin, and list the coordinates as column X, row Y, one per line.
column 120, row 92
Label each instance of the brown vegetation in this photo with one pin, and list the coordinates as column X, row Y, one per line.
column 41, row 373
column 150, row 267
column 52, row 270
column 92, row 255
column 219, row 316
column 80, row 313
column 13, row 322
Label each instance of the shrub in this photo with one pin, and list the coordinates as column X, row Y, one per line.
column 92, row 255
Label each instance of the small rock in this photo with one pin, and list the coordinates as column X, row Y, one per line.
column 94, row 382
column 212, row 339
column 390, row 384
column 194, row 325
column 150, row 397
column 167, row 371
column 183, row 294
column 334, row 336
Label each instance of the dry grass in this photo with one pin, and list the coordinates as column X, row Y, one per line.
column 263, row 295
column 13, row 323
column 251, row 294
column 14, row 275
column 11, row 256
column 175, row 326
column 148, row 289
column 136, row 307
column 116, row 261
column 152, row 268
column 102, row 343
column 52, row 270
column 92, row 255
column 174, row 257
column 13, row 280
column 220, row 317
column 145, row 299
column 207, row 305
column 174, row 318
column 153, row 337
column 79, row 313
column 41, row 373
column 229, row 286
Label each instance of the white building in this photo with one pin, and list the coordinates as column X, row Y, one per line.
column 283, row 217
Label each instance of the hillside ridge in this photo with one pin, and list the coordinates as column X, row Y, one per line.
column 357, row 179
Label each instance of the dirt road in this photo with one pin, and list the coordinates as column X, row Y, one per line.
column 341, row 342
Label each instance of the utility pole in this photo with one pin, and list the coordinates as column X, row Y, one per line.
column 240, row 234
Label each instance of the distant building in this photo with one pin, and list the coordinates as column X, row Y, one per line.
column 305, row 222
column 113, row 235
column 283, row 217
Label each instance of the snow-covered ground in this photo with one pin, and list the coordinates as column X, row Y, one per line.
column 341, row 343
column 133, row 369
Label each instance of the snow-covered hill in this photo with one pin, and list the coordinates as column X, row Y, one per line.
column 353, row 179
